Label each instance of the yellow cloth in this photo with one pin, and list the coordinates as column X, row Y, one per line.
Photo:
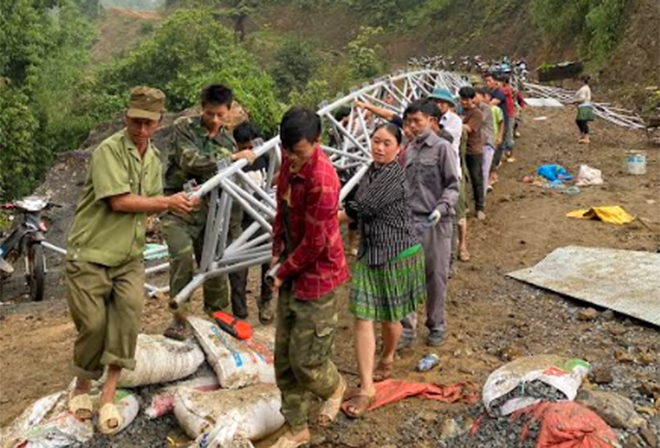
column 614, row 214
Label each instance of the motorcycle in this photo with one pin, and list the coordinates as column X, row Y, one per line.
column 26, row 240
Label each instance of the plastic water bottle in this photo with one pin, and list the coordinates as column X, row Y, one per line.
column 428, row 362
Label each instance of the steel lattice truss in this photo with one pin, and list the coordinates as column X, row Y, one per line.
column 351, row 157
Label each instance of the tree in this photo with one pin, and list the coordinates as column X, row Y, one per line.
column 295, row 64
column 45, row 46
column 187, row 51
column 364, row 56
column 90, row 8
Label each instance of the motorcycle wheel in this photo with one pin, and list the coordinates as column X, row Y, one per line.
column 36, row 275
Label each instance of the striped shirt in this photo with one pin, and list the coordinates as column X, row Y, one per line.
column 380, row 207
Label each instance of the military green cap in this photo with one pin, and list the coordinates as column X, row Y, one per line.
column 475, row 79
column 146, row 102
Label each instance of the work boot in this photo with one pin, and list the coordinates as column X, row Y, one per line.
column 266, row 313
column 435, row 338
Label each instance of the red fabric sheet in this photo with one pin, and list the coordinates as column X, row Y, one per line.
column 569, row 425
column 390, row 391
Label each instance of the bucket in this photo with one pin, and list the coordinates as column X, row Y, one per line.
column 636, row 161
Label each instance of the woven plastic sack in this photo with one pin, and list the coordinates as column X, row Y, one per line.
column 237, row 363
column 563, row 374
column 161, row 360
column 215, row 418
column 568, row 425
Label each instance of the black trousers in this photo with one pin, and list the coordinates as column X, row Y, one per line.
column 474, row 167
column 238, row 282
column 583, row 125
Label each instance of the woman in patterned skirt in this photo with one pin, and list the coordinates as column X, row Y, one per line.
column 388, row 275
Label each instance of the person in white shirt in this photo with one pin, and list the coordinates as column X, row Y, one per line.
column 585, row 110
column 450, row 121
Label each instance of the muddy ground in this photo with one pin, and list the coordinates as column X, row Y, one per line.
column 491, row 318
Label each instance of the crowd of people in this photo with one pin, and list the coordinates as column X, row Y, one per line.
column 409, row 212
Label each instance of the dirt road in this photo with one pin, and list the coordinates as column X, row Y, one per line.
column 491, row 318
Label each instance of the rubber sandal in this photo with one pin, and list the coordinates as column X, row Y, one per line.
column 81, row 406
column 464, row 255
column 352, row 392
column 332, row 406
column 285, row 442
column 360, row 404
column 383, row 371
column 109, row 412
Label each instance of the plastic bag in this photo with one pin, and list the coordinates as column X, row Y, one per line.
column 49, row 424
column 553, row 172
column 237, row 363
column 505, row 388
column 215, row 418
column 589, row 176
column 613, row 214
column 161, row 360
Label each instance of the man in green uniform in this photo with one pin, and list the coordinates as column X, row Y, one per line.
column 198, row 144
column 104, row 269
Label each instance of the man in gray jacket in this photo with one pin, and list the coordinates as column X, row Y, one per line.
column 433, row 183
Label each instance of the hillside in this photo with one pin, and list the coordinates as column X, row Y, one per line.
column 120, row 29
column 491, row 30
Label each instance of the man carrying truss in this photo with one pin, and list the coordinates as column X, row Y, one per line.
column 307, row 245
column 433, row 183
column 198, row 144
column 104, row 271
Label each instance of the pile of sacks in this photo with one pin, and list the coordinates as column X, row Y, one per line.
column 220, row 389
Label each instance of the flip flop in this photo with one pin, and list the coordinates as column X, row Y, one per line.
column 383, row 371
column 107, row 413
column 284, row 442
column 352, row 392
column 360, row 404
column 330, row 408
column 81, row 406
column 464, row 255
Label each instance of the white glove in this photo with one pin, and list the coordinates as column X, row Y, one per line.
column 434, row 218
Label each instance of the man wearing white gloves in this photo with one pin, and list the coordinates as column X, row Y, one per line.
column 433, row 183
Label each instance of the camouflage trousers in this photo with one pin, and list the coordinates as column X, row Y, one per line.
column 304, row 344
column 185, row 241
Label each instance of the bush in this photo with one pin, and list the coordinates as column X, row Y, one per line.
column 311, row 95
column 364, row 56
column 187, row 51
column 18, row 153
column 45, row 48
column 605, row 25
column 294, row 66
column 597, row 24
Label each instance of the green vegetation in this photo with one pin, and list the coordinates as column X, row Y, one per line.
column 597, row 24
column 188, row 51
column 44, row 53
column 51, row 95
